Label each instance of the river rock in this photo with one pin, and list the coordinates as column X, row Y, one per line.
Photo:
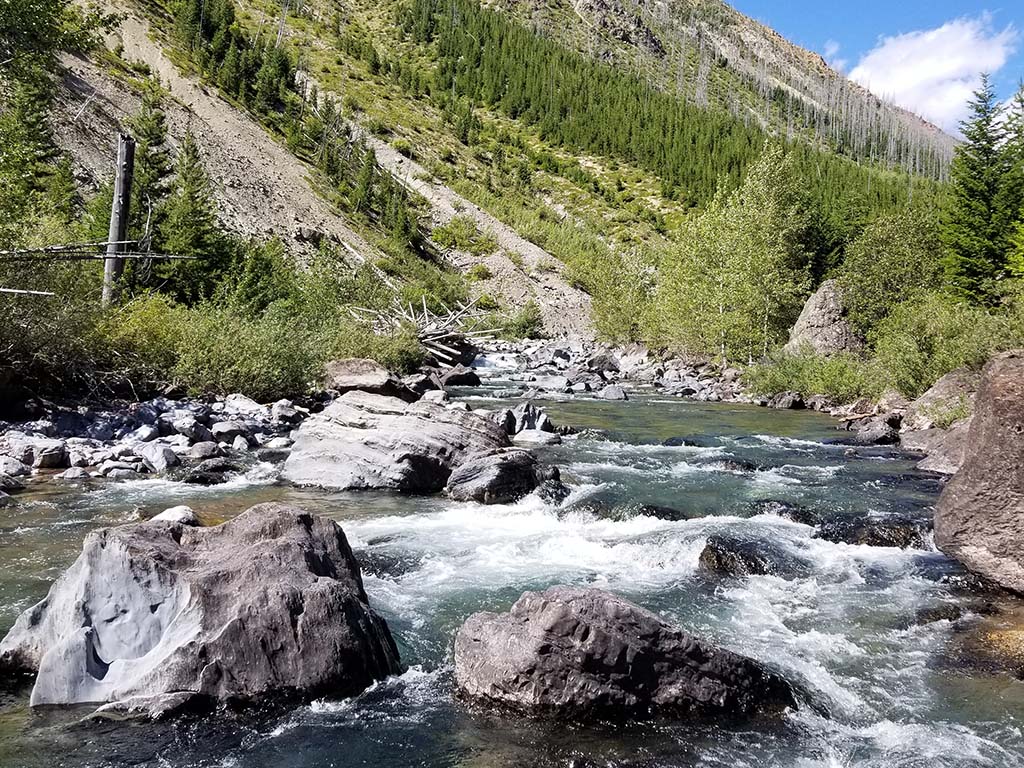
column 878, row 430
column 979, row 518
column 227, row 431
column 284, row 412
column 181, row 514
column 822, row 327
column 787, row 401
column 613, row 392
column 943, row 448
column 537, row 437
column 9, row 484
column 902, row 534
column 269, row 603
column 73, row 474
column 206, row 450
column 14, row 467
column 460, row 376
column 364, row 441
column 951, row 397
column 499, row 477
column 366, row 376
column 213, row 471
column 157, row 458
column 580, row 653
column 731, row 556
column 526, row 416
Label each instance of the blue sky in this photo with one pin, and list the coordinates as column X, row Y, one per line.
column 925, row 56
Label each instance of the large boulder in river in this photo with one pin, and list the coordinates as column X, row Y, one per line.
column 584, row 653
column 365, row 376
column 822, row 327
column 979, row 518
column 365, row 441
column 157, row 613
column 943, row 448
column 494, row 478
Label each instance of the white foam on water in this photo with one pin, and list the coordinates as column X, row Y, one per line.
column 261, row 473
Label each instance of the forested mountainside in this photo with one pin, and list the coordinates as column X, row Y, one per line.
column 677, row 175
column 711, row 55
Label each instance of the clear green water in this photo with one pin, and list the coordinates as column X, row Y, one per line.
column 839, row 627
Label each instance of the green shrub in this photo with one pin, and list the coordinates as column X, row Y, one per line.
column 461, row 233
column 402, row 147
column 266, row 358
column 843, row 378
column 526, row 323
column 925, row 338
column 144, row 335
column 479, row 272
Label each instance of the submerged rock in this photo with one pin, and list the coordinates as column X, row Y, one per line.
column 369, row 441
column 979, row 518
column 581, row 653
column 270, row 603
column 731, row 556
column 871, row 532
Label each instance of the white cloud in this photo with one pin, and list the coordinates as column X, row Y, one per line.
column 934, row 71
column 831, row 53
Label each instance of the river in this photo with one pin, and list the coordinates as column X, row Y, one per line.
column 841, row 623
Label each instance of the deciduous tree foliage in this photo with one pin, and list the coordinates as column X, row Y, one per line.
column 740, row 274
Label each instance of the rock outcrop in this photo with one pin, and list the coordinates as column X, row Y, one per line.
column 822, row 327
column 157, row 614
column 943, row 448
column 979, row 518
column 364, row 441
column 582, row 653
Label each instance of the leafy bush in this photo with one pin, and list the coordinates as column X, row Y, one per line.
column 479, row 272
column 927, row 337
column 843, row 378
column 894, row 258
column 402, row 147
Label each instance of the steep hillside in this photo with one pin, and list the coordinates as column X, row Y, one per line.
column 712, row 55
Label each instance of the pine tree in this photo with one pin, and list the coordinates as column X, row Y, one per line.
column 973, row 233
column 363, row 192
column 190, row 229
column 1010, row 199
column 152, row 162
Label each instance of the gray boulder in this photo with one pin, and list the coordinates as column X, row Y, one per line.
column 943, row 448
column 460, row 376
column 951, row 398
column 526, row 415
column 13, row 467
column 227, row 431
column 499, row 477
column 157, row 458
column 787, row 401
column 613, row 392
column 822, row 327
column 181, row 514
column 979, row 518
column 356, row 374
column 270, row 603
column 581, row 653
column 364, row 441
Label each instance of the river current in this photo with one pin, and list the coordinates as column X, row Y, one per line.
column 887, row 690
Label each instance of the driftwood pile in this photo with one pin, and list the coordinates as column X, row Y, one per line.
column 448, row 337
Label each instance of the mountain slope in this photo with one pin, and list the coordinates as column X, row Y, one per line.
column 713, row 55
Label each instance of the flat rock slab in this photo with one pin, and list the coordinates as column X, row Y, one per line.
column 270, row 603
column 583, row 653
column 367, row 441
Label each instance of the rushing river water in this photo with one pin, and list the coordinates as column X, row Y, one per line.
column 841, row 624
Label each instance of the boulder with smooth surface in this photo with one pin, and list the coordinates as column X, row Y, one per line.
column 356, row 374
column 270, row 603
